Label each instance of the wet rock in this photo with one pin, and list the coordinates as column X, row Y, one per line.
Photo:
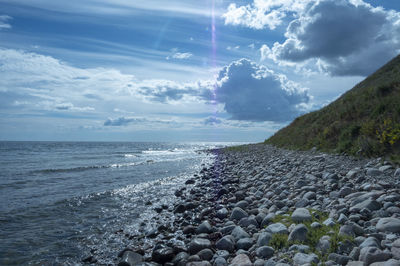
column 226, row 243
column 301, row 215
column 163, row 255
column 181, row 257
column 130, row 258
column 222, row 213
column 206, row 254
column 204, row 228
column 198, row 244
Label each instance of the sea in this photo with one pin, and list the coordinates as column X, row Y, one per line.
column 62, row 201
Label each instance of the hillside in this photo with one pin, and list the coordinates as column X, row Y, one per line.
column 365, row 120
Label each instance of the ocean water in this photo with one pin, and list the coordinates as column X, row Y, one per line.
column 59, row 201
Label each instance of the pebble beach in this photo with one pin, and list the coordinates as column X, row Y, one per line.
column 260, row 205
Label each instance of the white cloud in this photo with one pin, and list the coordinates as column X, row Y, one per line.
column 255, row 93
column 262, row 13
column 180, row 56
column 245, row 90
column 4, row 22
column 340, row 37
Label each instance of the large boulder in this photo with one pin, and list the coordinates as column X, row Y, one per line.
column 301, row 215
column 389, row 224
column 299, row 233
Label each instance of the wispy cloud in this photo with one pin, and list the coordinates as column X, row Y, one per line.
column 4, row 22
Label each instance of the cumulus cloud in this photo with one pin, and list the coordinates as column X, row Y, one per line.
column 262, row 13
column 4, row 22
column 253, row 92
column 341, row 37
column 180, row 56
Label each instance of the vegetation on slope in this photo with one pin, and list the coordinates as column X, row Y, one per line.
column 365, row 120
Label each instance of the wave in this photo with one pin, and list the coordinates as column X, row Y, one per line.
column 91, row 167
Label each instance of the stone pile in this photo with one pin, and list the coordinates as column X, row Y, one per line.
column 259, row 205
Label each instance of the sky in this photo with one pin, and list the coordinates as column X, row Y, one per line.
column 182, row 70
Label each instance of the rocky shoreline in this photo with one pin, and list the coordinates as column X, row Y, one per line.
column 260, row 205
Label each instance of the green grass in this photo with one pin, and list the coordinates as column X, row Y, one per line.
column 280, row 241
column 363, row 121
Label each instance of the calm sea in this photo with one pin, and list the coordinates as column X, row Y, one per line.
column 60, row 200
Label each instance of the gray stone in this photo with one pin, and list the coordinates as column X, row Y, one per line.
column 239, row 233
column 180, row 257
column 370, row 242
column 373, row 172
column 226, row 243
column 301, row 248
column 344, row 191
column 339, row 259
column 241, row 260
column 388, row 225
column 346, row 230
column 355, row 263
column 396, row 249
column 222, row 213
column 385, row 168
column 267, row 220
column 263, row 239
column 265, row 252
column 369, row 204
column 316, row 225
column 130, row 258
column 244, row 243
column 238, row 213
column 342, row 219
column 301, row 215
column 220, row 261
column 324, row 244
column 370, row 255
column 310, row 195
column 259, row 262
column 329, row 222
column 204, row 228
column 277, row 228
column 303, row 259
column 198, row 244
column 242, row 204
column 397, row 172
column 299, row 233
column 163, row 255
column 206, row 254
column 390, row 262
column 198, row 263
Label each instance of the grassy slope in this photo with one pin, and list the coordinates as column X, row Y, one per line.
column 365, row 120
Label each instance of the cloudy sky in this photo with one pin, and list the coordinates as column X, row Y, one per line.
column 182, row 70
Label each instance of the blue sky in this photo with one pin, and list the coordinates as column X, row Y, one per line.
column 150, row 71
